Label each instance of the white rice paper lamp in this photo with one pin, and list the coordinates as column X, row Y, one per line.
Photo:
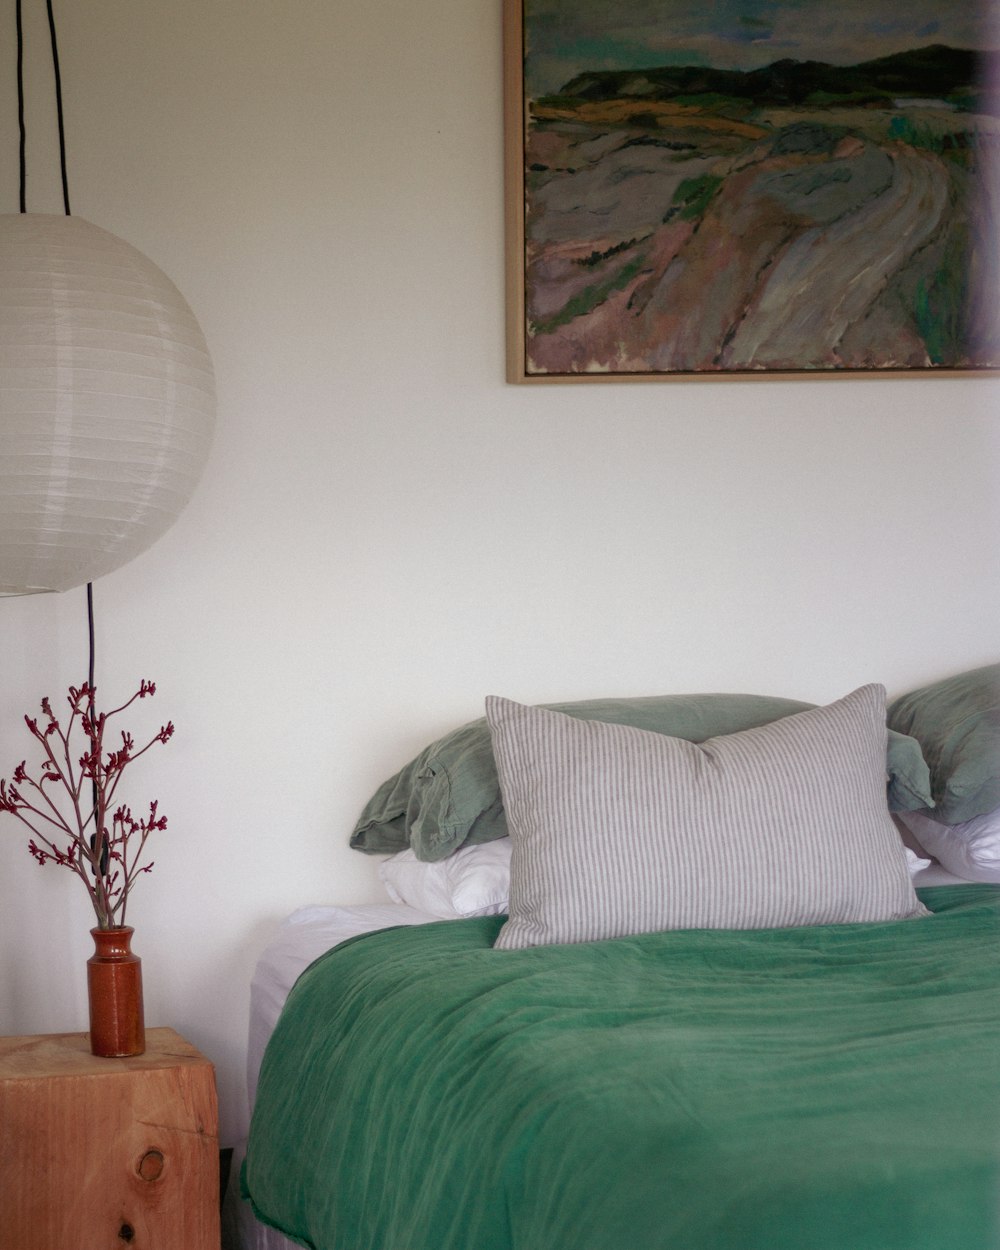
column 107, row 402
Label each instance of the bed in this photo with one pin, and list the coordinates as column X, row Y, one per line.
column 506, row 1081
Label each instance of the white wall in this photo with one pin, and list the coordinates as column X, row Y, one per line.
column 386, row 531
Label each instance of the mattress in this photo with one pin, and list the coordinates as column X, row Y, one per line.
column 302, row 938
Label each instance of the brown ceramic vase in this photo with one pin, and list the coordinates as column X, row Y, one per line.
column 114, row 986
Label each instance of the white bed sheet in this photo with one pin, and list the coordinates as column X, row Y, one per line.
column 934, row 874
column 303, row 937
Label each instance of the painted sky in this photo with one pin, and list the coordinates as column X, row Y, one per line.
column 569, row 36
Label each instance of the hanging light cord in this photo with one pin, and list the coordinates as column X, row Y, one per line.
column 59, row 104
column 22, row 130
column 20, row 105
column 91, row 648
column 90, row 634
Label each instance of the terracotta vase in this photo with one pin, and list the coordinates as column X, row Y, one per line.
column 114, row 985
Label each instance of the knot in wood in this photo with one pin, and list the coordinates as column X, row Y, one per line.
column 150, row 1166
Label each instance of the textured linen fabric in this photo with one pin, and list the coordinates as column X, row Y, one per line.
column 618, row 831
column 957, row 723
column 448, row 796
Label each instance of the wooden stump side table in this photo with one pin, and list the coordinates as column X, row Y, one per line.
column 107, row 1154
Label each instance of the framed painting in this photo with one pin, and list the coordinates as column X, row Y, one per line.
column 750, row 188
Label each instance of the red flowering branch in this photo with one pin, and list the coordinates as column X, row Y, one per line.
column 66, row 804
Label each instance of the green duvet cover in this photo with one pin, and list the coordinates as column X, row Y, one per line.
column 832, row 1088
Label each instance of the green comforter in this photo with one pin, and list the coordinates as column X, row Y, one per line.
column 832, row 1088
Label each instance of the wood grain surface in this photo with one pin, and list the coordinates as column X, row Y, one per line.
column 103, row 1154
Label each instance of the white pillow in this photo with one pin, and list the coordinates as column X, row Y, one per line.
column 970, row 850
column 914, row 862
column 474, row 881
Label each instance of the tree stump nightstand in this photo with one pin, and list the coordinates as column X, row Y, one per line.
column 107, row 1154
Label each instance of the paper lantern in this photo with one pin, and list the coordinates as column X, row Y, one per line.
column 107, row 402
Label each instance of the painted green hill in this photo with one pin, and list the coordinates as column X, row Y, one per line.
column 960, row 76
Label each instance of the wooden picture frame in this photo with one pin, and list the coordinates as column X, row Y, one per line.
column 718, row 191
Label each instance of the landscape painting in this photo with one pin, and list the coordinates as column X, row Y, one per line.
column 748, row 187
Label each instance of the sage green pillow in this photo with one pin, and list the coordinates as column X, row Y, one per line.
column 449, row 795
column 957, row 723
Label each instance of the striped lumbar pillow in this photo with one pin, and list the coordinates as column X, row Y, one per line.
column 617, row 830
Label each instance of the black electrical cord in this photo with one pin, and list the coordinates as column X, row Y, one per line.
column 20, row 104
column 59, row 105
column 103, row 866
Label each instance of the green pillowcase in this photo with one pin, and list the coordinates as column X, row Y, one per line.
column 957, row 723
column 449, row 796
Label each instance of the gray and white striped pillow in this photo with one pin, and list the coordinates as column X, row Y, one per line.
column 617, row 830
